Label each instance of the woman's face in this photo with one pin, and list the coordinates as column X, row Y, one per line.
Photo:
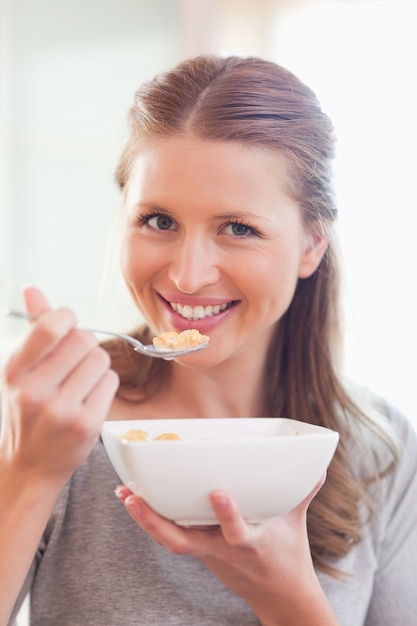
column 212, row 241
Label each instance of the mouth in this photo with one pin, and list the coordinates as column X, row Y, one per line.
column 195, row 313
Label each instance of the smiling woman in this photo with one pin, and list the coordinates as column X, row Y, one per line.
column 227, row 217
column 228, row 209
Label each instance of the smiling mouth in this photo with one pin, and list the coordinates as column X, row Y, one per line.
column 194, row 313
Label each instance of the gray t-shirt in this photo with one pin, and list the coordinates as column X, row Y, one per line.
column 96, row 567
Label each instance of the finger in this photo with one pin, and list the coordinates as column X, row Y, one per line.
column 101, row 397
column 84, row 422
column 37, row 304
column 35, row 301
column 84, row 378
column 57, row 366
column 85, row 396
column 234, row 528
column 161, row 530
column 42, row 337
column 122, row 492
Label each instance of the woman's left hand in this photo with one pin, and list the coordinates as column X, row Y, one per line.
column 267, row 564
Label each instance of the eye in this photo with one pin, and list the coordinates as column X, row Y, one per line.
column 158, row 221
column 240, row 229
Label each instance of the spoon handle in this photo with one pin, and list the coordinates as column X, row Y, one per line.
column 16, row 313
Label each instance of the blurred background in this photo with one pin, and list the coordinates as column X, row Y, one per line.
column 68, row 72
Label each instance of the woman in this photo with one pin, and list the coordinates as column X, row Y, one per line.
column 227, row 228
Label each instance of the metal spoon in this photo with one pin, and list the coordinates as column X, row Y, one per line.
column 147, row 350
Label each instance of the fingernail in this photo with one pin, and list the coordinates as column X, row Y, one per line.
column 134, row 507
column 221, row 499
column 118, row 492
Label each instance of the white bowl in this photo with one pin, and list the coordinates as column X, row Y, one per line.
column 268, row 465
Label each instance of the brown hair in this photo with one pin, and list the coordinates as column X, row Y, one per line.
column 256, row 102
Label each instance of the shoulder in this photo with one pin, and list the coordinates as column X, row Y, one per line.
column 383, row 422
column 381, row 446
column 390, row 419
column 405, row 434
column 391, row 436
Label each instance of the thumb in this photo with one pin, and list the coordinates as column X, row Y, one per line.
column 35, row 301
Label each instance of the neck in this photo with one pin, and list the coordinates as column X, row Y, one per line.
column 221, row 392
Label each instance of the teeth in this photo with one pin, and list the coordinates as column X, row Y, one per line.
column 198, row 312
column 187, row 312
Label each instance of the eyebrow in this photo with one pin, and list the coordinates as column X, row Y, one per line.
column 241, row 215
column 153, row 206
column 157, row 206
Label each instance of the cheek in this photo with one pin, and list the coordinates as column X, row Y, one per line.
column 278, row 271
column 138, row 262
column 272, row 284
column 127, row 263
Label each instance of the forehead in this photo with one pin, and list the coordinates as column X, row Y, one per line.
column 195, row 168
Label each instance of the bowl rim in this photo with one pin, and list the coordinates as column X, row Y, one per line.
column 115, row 428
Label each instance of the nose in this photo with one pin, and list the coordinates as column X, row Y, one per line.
column 194, row 264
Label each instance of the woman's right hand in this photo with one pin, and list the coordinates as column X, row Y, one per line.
column 57, row 387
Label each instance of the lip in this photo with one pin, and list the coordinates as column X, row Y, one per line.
column 205, row 325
